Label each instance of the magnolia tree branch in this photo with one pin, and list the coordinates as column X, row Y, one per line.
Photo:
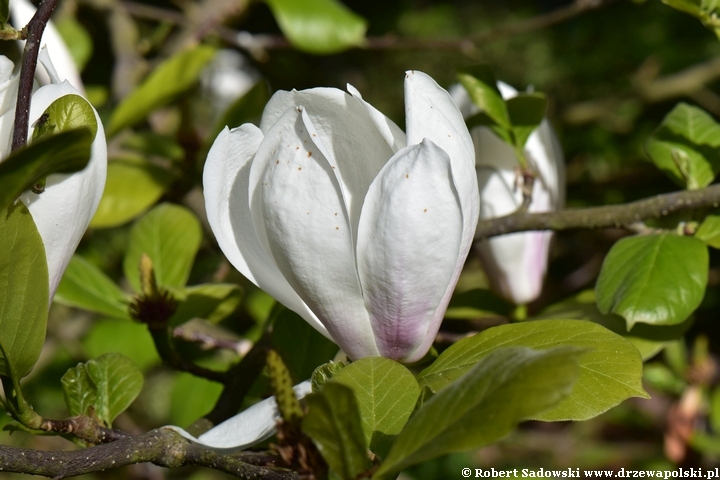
column 35, row 30
column 626, row 215
column 163, row 447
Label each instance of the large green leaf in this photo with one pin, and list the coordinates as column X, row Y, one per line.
column 85, row 286
column 386, row 393
column 65, row 152
column 333, row 422
column 302, row 347
column 658, row 279
column 212, row 302
column 133, row 186
column 170, row 235
column 68, row 112
column 503, row 388
column 648, row 339
column 685, row 146
column 108, row 384
column 191, row 398
column 24, row 285
column 129, row 338
column 171, row 78
column 319, row 26
column 481, row 85
column 610, row 371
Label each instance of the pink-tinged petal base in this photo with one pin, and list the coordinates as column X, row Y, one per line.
column 408, row 249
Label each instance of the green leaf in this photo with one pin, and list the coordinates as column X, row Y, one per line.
column 24, row 284
column 170, row 235
column 386, row 393
column 526, row 111
column 121, row 336
column 502, row 389
column 108, row 384
column 4, row 11
column 688, row 6
column 85, row 286
column 709, row 231
column 117, row 381
column 324, row 373
column 132, row 187
column 171, row 78
column 658, row 279
column 191, row 398
column 79, row 390
column 685, row 146
column 149, row 143
column 477, row 303
column 65, row 152
column 68, row 112
column 648, row 339
column 319, row 26
column 212, row 302
column 481, row 85
column 333, row 422
column 77, row 39
column 302, row 347
column 610, row 371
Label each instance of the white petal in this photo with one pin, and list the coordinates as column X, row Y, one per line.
column 63, row 211
column 393, row 135
column 22, row 11
column 296, row 198
column 246, row 429
column 409, row 249
column 346, row 134
column 225, row 185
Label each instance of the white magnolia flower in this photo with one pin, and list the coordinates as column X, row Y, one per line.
column 333, row 210
column 515, row 263
column 63, row 211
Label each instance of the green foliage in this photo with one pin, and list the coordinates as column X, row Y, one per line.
column 67, row 113
column 4, row 11
column 610, row 370
column 85, row 286
column 704, row 10
column 319, row 26
column 170, row 235
column 709, row 231
column 77, row 39
column 191, row 398
column 169, row 79
column 103, row 387
column 301, row 346
column 386, row 394
column 685, row 146
column 212, row 302
column 325, row 372
column 122, row 336
column 333, row 422
column 24, row 285
column 65, row 152
column 658, row 279
column 503, row 388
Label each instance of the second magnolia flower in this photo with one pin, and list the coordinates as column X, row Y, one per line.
column 342, row 217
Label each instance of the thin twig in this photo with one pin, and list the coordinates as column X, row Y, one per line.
column 619, row 216
column 35, row 30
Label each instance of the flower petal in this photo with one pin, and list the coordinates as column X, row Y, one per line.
column 63, row 211
column 409, row 248
column 246, row 429
column 393, row 135
column 346, row 134
column 297, row 199
column 225, row 185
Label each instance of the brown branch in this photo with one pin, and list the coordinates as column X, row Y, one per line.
column 84, row 428
column 163, row 447
column 621, row 216
column 35, row 30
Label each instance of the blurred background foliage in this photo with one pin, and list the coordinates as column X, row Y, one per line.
column 607, row 73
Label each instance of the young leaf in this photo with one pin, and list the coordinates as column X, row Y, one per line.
column 133, row 186
column 658, row 279
column 301, row 346
column 171, row 78
column 117, row 382
column 319, row 26
column 85, row 286
column 610, row 371
column 170, row 235
column 526, row 111
column 65, row 152
column 386, row 393
column 80, row 392
column 481, row 85
column 685, row 146
column 24, row 283
column 709, row 231
column 333, row 422
column 503, row 388
column 67, row 113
